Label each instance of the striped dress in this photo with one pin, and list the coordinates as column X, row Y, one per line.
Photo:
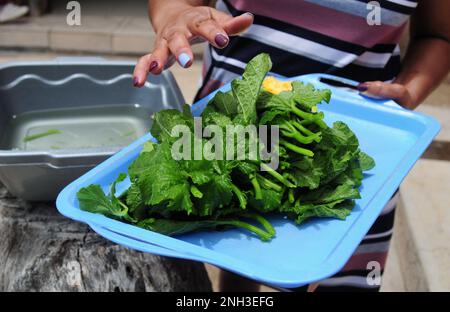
column 312, row 36
column 321, row 36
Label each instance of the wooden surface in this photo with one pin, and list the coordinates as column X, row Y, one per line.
column 40, row 250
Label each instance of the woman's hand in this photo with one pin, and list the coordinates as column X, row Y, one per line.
column 426, row 63
column 178, row 30
column 383, row 90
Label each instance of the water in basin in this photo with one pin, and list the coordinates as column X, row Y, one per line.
column 76, row 128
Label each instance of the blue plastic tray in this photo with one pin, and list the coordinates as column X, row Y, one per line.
column 298, row 255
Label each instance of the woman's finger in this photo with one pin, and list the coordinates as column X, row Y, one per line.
column 211, row 31
column 220, row 26
column 180, row 48
column 151, row 63
column 141, row 70
column 383, row 90
column 160, row 57
column 238, row 24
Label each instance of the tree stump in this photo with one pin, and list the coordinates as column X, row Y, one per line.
column 40, row 250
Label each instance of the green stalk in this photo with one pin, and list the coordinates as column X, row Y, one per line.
column 256, row 187
column 297, row 206
column 308, row 116
column 305, row 130
column 263, row 221
column 240, row 196
column 289, row 130
column 291, row 197
column 269, row 184
column 36, row 136
column 302, row 114
column 296, row 149
column 321, row 123
column 196, row 192
column 304, row 140
column 305, row 122
column 123, row 206
column 125, row 214
column 262, row 234
column 276, row 175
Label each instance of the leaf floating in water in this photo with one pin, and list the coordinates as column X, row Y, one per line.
column 36, row 136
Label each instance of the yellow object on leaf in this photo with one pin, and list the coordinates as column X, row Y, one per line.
column 275, row 86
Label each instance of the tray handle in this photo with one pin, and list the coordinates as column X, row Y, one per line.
column 78, row 59
column 345, row 88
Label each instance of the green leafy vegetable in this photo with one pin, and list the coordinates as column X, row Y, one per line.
column 246, row 90
column 319, row 173
column 93, row 199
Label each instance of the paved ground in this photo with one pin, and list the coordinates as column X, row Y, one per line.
column 420, row 257
column 130, row 33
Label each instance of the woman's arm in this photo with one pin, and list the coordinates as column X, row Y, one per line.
column 179, row 23
column 427, row 61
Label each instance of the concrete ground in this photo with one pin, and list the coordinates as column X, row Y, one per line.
column 420, row 253
column 116, row 28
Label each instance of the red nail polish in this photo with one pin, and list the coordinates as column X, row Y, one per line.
column 153, row 65
column 362, row 87
column 221, row 40
column 135, row 81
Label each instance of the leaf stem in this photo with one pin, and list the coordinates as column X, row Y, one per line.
column 276, row 175
column 240, row 196
column 196, row 192
column 300, row 127
column 265, row 236
column 308, row 116
column 263, row 221
column 297, row 149
column 36, row 136
column 256, row 187
column 291, row 197
column 295, row 134
column 315, row 136
column 269, row 184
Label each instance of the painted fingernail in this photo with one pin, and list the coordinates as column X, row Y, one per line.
column 153, row 65
column 248, row 13
column 363, row 87
column 221, row 40
column 135, row 81
column 184, row 59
